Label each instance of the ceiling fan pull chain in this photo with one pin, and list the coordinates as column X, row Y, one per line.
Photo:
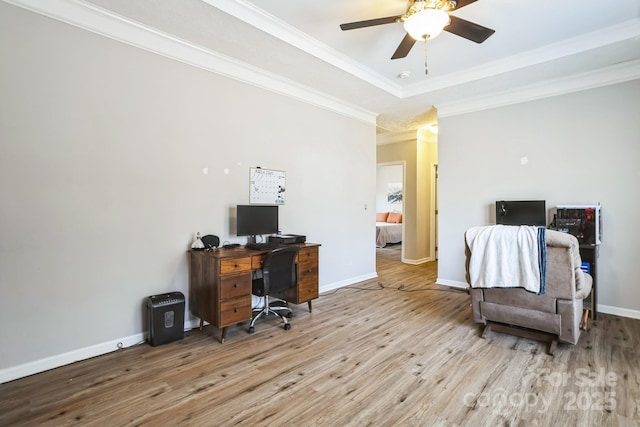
column 426, row 68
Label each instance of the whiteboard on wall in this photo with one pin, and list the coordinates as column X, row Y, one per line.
column 267, row 187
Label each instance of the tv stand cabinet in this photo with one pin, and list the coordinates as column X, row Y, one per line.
column 589, row 253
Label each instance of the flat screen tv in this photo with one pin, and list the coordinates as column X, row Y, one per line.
column 522, row 212
column 255, row 220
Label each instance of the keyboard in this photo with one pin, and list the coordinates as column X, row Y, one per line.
column 262, row 246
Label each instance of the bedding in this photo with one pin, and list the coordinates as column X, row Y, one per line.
column 387, row 232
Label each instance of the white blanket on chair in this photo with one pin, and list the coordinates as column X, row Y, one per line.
column 505, row 256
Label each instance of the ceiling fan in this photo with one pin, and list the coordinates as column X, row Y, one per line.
column 424, row 20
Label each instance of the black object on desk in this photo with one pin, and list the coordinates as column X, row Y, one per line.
column 210, row 241
column 263, row 246
column 287, row 239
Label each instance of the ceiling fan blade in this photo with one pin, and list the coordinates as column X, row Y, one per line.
column 462, row 3
column 369, row 23
column 468, row 30
column 405, row 46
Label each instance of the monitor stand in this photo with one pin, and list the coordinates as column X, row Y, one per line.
column 251, row 239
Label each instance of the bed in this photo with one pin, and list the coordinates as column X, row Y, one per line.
column 388, row 228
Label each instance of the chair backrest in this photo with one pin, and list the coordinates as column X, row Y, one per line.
column 279, row 269
column 563, row 264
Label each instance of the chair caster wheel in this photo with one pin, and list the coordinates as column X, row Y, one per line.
column 251, row 329
column 287, row 326
column 289, row 315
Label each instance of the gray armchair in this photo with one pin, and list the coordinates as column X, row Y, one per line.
column 558, row 311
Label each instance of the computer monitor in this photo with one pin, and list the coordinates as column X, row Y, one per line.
column 254, row 220
column 525, row 212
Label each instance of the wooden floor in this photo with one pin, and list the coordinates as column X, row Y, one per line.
column 398, row 350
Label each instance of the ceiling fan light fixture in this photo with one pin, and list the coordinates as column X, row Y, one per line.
column 427, row 23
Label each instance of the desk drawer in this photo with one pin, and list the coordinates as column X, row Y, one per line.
column 307, row 287
column 256, row 261
column 232, row 265
column 235, row 310
column 307, row 274
column 308, row 268
column 235, row 285
column 309, row 254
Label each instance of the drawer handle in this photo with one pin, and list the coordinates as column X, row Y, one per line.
column 236, row 266
column 235, row 310
column 235, row 285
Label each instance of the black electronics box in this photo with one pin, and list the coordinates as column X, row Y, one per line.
column 582, row 221
column 287, row 239
column 166, row 318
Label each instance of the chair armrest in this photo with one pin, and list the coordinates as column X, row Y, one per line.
column 584, row 282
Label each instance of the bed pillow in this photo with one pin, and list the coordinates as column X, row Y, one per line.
column 382, row 216
column 394, row 217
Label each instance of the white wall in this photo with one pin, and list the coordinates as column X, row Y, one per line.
column 102, row 151
column 388, row 174
column 582, row 148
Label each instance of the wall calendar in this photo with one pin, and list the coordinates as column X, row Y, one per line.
column 267, row 187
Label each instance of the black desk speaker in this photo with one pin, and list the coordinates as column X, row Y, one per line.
column 166, row 318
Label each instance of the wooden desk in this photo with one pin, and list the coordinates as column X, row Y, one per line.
column 220, row 283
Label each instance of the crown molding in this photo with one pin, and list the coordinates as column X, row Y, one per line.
column 618, row 73
column 100, row 21
column 268, row 23
column 603, row 37
column 410, row 135
column 105, row 23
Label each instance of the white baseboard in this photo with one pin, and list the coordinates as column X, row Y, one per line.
column 26, row 369
column 617, row 311
column 37, row 366
column 351, row 281
column 452, row 283
column 416, row 261
column 30, row 368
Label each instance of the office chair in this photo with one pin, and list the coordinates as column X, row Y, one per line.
column 278, row 275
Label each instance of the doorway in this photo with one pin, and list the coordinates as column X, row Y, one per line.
column 417, row 151
column 390, row 197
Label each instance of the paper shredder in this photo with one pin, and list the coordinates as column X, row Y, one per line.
column 166, row 318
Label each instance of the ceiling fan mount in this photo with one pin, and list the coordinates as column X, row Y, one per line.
column 420, row 5
column 424, row 20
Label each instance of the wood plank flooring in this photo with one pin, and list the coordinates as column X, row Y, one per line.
column 398, row 350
